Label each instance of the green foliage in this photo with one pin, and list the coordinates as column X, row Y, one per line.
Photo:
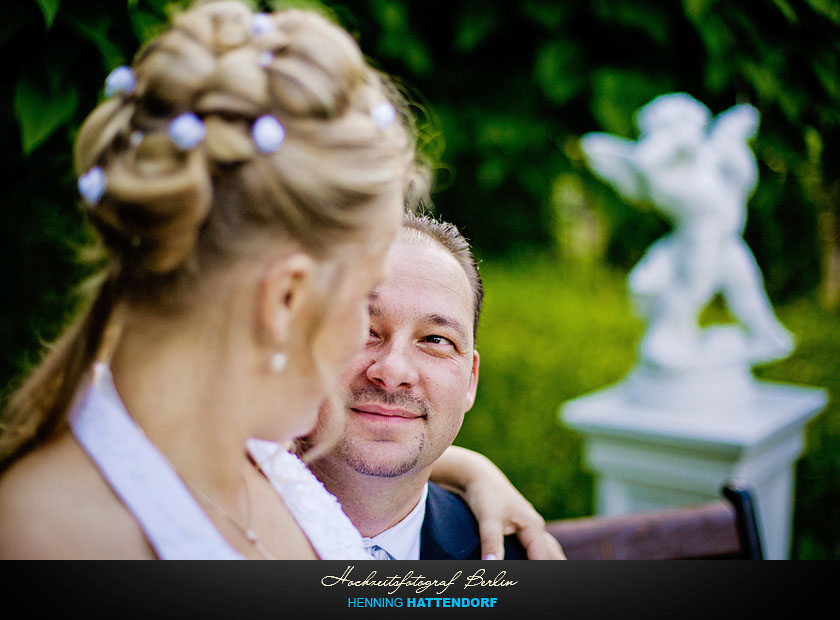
column 541, row 344
column 62, row 51
column 49, row 8
column 547, row 72
column 551, row 332
column 41, row 111
column 815, row 362
column 512, row 85
column 46, row 95
column 504, row 91
column 398, row 40
column 618, row 93
column 556, row 71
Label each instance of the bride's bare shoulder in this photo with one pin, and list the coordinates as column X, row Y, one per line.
column 54, row 504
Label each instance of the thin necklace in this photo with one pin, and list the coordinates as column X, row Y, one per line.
column 247, row 532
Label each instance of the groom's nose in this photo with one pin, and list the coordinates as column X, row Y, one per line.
column 393, row 368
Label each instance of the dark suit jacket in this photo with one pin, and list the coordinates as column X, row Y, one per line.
column 450, row 531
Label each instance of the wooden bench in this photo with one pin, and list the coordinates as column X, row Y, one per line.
column 723, row 529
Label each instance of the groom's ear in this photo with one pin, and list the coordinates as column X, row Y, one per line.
column 473, row 385
column 285, row 289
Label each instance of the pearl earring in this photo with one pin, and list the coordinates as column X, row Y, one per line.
column 278, row 362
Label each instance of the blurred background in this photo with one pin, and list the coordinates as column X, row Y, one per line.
column 503, row 91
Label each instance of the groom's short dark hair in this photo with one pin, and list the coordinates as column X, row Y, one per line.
column 420, row 225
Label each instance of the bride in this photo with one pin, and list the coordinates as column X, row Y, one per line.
column 246, row 177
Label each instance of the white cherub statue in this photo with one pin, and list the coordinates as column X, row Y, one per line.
column 700, row 173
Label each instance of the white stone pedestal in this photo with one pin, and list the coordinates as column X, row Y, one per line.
column 646, row 457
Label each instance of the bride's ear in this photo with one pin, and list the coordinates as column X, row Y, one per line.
column 285, row 287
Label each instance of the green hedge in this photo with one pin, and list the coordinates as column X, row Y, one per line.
column 553, row 331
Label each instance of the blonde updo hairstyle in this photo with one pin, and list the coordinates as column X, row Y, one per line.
column 171, row 218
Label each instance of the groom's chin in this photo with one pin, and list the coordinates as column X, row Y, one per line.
column 381, row 459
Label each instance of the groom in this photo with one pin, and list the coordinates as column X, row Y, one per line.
column 406, row 394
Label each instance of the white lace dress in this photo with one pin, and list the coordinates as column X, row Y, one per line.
column 315, row 509
column 172, row 520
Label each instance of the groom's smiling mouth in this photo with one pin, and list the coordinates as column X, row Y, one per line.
column 383, row 414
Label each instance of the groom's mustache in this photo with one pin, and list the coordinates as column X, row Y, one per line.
column 371, row 394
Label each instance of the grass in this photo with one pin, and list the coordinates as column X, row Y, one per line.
column 552, row 331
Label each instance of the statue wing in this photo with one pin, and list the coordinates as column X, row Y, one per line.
column 612, row 159
column 729, row 137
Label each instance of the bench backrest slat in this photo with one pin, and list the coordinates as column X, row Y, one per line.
column 706, row 531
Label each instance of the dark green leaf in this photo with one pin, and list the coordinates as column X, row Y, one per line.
column 827, row 8
column 145, row 24
column 617, row 94
column 476, row 23
column 309, row 5
column 651, row 20
column 40, row 113
column 787, row 10
column 390, row 15
column 96, row 31
column 558, row 71
column 718, row 74
column 763, row 79
column 398, row 40
column 826, row 70
column 408, row 49
column 49, row 9
column 717, row 37
column 492, row 172
column 509, row 133
column 697, row 9
column 549, row 14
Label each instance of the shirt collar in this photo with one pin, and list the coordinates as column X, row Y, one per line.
column 402, row 540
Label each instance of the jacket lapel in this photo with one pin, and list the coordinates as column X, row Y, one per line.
column 449, row 530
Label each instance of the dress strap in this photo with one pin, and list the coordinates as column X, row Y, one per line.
column 170, row 517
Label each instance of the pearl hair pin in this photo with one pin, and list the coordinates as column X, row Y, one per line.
column 92, row 185
column 383, row 114
column 120, row 80
column 261, row 23
column 268, row 133
column 186, row 131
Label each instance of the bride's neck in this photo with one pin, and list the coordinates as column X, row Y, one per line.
column 179, row 382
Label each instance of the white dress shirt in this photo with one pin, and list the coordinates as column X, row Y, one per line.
column 402, row 540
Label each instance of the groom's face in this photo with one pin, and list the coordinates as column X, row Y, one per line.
column 407, row 391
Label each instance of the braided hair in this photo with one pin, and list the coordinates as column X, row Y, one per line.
column 171, row 217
